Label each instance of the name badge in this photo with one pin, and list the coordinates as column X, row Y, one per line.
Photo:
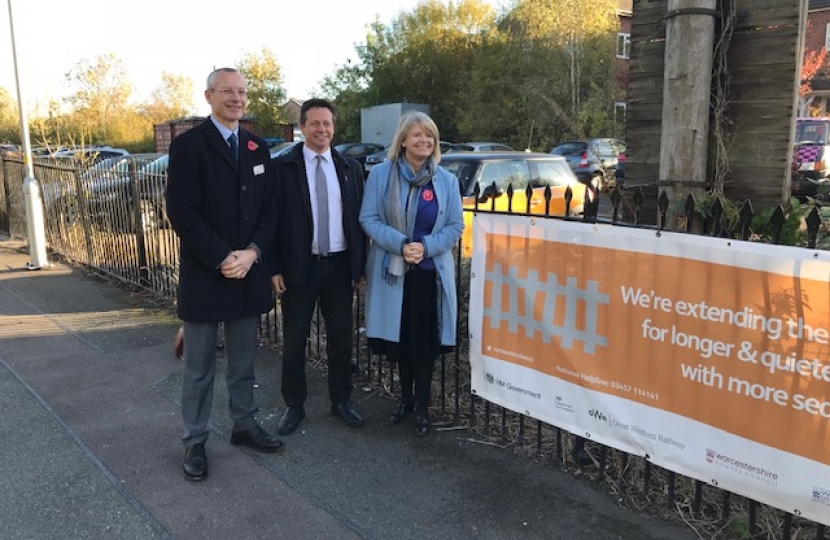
column 259, row 169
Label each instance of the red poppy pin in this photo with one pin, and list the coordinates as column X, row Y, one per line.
column 252, row 146
column 427, row 195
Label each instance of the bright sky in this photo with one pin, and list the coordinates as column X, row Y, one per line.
column 188, row 37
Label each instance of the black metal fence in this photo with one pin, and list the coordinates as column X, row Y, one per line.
column 117, row 226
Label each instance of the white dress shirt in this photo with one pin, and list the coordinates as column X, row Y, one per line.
column 337, row 238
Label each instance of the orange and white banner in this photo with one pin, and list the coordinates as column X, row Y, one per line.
column 711, row 357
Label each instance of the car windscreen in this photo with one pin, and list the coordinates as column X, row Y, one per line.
column 569, row 149
column 554, row 173
column 811, row 132
column 462, row 170
column 514, row 172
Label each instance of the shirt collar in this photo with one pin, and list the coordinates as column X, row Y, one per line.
column 310, row 154
column 224, row 129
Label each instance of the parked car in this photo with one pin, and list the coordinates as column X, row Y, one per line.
column 10, row 151
column 110, row 199
column 478, row 147
column 594, row 161
column 107, row 197
column 373, row 159
column 445, row 146
column 283, row 148
column 359, row 151
column 91, row 154
column 493, row 172
column 811, row 159
column 380, row 156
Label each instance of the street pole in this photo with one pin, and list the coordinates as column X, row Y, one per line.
column 687, row 91
column 31, row 190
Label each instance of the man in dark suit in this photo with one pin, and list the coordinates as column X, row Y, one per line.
column 221, row 202
column 320, row 254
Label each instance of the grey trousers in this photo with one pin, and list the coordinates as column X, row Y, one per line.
column 200, row 371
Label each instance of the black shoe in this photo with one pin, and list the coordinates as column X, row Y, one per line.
column 422, row 424
column 257, row 439
column 195, row 462
column 290, row 420
column 400, row 412
column 348, row 413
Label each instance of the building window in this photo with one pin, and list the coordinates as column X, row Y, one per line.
column 620, row 110
column 624, row 45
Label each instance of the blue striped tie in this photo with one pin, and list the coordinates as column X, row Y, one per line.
column 234, row 146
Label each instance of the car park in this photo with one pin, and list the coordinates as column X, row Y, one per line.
column 110, row 197
column 380, row 157
column 492, row 174
column 359, row 152
column 478, row 146
column 594, row 161
column 90, row 154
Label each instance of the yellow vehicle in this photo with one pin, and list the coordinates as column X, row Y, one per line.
column 494, row 173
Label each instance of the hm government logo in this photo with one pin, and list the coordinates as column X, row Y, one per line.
column 489, row 377
column 541, row 302
column 598, row 415
column 562, row 405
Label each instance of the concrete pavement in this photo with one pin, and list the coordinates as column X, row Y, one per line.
column 90, row 445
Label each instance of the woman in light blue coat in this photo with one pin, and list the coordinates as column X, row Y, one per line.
column 412, row 212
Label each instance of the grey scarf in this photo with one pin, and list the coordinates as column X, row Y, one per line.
column 403, row 219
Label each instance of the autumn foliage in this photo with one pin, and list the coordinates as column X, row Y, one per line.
column 813, row 62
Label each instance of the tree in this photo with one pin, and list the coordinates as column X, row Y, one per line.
column 424, row 56
column 266, row 95
column 9, row 118
column 347, row 89
column 100, row 101
column 548, row 71
column 812, row 64
column 171, row 100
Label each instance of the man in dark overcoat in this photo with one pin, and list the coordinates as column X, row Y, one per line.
column 221, row 201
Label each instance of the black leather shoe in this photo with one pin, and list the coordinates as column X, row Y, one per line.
column 400, row 412
column 348, row 413
column 290, row 420
column 422, row 424
column 257, row 439
column 195, row 462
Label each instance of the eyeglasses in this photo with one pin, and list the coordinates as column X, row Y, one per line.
column 227, row 92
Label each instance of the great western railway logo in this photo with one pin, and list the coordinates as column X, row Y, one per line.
column 529, row 296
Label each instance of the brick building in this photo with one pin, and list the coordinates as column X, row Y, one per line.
column 817, row 35
column 164, row 133
column 623, row 53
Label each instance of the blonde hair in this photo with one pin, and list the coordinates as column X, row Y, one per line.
column 405, row 125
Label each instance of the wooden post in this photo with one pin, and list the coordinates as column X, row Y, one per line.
column 687, row 82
